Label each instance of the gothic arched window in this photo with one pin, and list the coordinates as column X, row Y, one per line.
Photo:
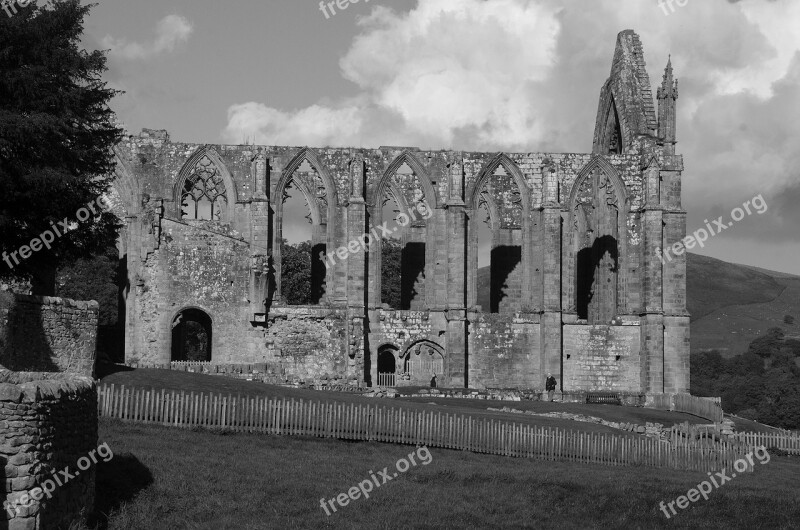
column 203, row 195
column 596, row 226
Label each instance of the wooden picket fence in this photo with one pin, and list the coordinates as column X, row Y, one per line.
column 382, row 423
column 708, row 408
column 784, row 440
column 213, row 368
column 387, row 380
column 702, row 407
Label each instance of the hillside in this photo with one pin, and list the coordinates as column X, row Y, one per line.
column 730, row 304
column 712, row 284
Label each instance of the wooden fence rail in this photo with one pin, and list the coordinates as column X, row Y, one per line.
column 213, row 368
column 703, row 407
column 785, row 441
column 395, row 425
column 708, row 408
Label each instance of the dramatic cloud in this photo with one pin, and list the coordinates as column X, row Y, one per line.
column 452, row 72
column 525, row 75
column 171, row 31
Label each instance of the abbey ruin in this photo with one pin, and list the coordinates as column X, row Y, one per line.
column 577, row 287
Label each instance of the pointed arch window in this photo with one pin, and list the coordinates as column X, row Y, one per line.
column 613, row 130
column 203, row 196
column 403, row 254
column 499, row 242
column 596, row 232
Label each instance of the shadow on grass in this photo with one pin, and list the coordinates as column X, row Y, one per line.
column 118, row 481
column 105, row 369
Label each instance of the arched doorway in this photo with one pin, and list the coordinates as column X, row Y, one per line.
column 191, row 336
column 424, row 362
column 387, row 366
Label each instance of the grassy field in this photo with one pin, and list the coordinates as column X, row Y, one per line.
column 179, row 479
column 189, row 382
column 168, row 478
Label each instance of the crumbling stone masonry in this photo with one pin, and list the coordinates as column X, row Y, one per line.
column 48, row 421
column 577, row 287
column 47, row 334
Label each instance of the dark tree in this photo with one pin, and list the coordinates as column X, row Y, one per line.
column 56, row 138
column 768, row 344
column 93, row 278
column 296, row 273
column 391, row 273
column 762, row 384
column 196, row 342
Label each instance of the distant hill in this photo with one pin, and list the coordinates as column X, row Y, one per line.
column 712, row 284
column 730, row 304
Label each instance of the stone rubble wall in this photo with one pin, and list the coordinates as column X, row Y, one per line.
column 48, row 421
column 309, row 344
column 47, row 334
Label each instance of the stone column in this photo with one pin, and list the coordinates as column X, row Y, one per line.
column 676, row 317
column 653, row 266
column 356, row 266
column 456, row 240
column 551, row 326
column 132, row 264
column 259, row 234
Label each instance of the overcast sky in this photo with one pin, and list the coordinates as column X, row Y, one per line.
column 497, row 75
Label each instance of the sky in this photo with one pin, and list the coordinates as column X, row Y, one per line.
column 483, row 75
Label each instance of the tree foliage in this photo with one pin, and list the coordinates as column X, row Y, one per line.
column 391, row 273
column 769, row 344
column 762, row 384
column 94, row 278
column 196, row 342
column 56, row 138
column 296, row 272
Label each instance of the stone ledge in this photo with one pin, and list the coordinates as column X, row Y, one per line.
column 50, row 300
column 33, row 387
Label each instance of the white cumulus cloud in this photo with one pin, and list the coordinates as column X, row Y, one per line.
column 525, row 75
column 315, row 125
column 449, row 72
column 171, row 31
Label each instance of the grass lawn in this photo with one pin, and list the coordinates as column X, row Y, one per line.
column 190, row 382
column 178, row 479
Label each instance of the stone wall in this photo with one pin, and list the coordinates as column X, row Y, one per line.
column 310, row 344
column 48, row 422
column 205, row 267
column 574, row 241
column 47, row 334
column 602, row 358
column 404, row 332
column 504, row 352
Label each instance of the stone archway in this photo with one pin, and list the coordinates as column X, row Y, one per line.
column 191, row 336
column 422, row 362
column 387, row 365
